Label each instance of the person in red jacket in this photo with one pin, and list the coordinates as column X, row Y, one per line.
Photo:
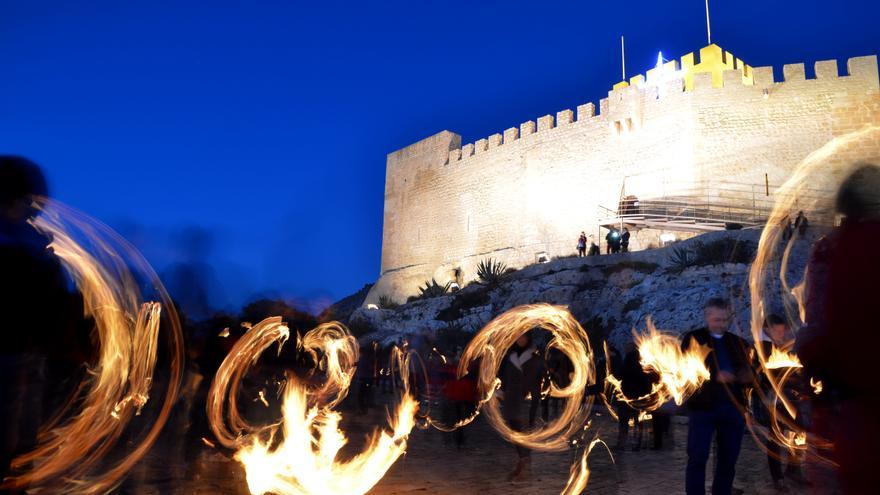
column 460, row 395
column 841, row 338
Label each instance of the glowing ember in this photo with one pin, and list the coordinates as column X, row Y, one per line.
column 299, row 455
column 68, row 458
column 817, row 386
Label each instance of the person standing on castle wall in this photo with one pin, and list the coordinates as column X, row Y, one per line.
column 801, row 223
column 787, row 229
column 594, row 248
column 582, row 245
column 612, row 241
column 715, row 411
column 624, row 240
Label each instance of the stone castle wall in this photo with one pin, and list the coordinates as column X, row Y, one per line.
column 532, row 189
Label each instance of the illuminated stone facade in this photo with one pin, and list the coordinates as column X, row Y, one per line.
column 529, row 191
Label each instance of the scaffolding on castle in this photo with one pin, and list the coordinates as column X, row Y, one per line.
column 702, row 207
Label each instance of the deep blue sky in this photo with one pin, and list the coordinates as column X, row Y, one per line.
column 248, row 139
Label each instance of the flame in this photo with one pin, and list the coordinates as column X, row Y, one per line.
column 781, row 359
column 109, row 273
column 817, row 386
column 680, row 372
column 490, row 346
column 823, row 166
column 580, row 472
column 304, row 460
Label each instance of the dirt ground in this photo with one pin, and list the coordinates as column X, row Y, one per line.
column 434, row 465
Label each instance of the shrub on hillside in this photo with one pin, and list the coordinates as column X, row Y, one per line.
column 725, row 250
column 490, row 272
column 716, row 252
column 432, row 289
column 386, row 302
column 636, row 266
column 681, row 259
column 463, row 301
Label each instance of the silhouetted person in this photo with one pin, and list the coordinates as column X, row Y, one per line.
column 594, row 249
column 582, row 245
column 715, row 410
column 624, row 240
column 35, row 313
column 801, row 223
column 559, row 369
column 635, row 383
column 612, row 241
column 776, row 334
column 521, row 375
column 460, row 396
column 367, row 370
column 787, row 229
column 840, row 341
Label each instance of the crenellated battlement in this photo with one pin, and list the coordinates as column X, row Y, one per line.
column 525, row 192
column 714, row 69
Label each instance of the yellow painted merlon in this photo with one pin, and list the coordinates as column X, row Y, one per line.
column 712, row 60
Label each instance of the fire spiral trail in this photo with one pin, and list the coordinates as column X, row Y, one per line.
column 490, row 346
column 828, row 165
column 299, row 454
column 110, row 274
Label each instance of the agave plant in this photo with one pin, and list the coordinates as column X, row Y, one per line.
column 490, row 272
column 724, row 250
column 433, row 289
column 386, row 302
column 681, row 259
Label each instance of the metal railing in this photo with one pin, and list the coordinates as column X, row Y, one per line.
column 704, row 207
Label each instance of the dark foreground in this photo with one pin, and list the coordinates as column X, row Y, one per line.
column 433, row 464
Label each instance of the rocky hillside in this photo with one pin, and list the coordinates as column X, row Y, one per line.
column 609, row 294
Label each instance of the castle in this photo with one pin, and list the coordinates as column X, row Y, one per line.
column 707, row 129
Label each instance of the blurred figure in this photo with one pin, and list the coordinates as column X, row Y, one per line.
column 776, row 334
column 559, row 370
column 521, row 376
column 582, row 245
column 40, row 353
column 715, row 410
column 624, row 240
column 612, row 241
column 840, row 341
column 367, row 371
column 460, row 396
column 801, row 223
column 594, row 249
column 635, row 382
column 787, row 229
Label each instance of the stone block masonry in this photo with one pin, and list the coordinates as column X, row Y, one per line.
column 529, row 191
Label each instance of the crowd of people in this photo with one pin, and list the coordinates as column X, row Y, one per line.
column 836, row 346
column 616, row 241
